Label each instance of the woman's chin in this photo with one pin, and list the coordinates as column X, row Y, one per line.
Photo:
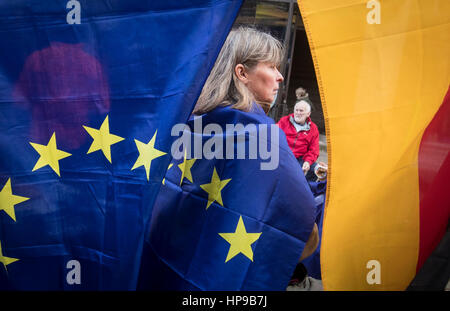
column 268, row 100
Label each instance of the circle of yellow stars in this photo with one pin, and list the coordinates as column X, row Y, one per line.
column 240, row 240
column 102, row 140
column 49, row 155
column 7, row 202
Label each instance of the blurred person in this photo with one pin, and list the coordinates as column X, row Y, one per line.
column 300, row 93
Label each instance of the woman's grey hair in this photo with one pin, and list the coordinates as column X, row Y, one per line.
column 246, row 46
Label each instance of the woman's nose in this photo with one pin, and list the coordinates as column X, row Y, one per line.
column 279, row 77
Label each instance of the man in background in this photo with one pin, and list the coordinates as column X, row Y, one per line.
column 302, row 136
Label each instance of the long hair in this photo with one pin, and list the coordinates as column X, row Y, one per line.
column 246, row 46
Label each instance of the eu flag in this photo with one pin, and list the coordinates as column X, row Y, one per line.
column 89, row 91
column 225, row 223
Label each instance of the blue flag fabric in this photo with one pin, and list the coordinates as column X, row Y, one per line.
column 312, row 263
column 226, row 224
column 89, row 91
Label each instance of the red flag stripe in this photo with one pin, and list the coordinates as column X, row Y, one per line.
column 434, row 173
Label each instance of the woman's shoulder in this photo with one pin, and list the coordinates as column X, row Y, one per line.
column 230, row 115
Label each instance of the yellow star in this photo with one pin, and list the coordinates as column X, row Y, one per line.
column 6, row 260
column 49, row 155
column 147, row 153
column 103, row 139
column 240, row 241
column 8, row 200
column 185, row 168
column 164, row 180
column 214, row 188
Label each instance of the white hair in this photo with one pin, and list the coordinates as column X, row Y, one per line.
column 305, row 103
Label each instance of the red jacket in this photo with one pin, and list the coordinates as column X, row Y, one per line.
column 303, row 144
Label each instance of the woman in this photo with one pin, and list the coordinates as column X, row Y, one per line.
column 224, row 222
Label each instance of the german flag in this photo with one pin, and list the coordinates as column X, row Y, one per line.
column 383, row 69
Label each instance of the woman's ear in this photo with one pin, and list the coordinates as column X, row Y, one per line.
column 241, row 73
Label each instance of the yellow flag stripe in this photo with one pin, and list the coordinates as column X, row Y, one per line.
column 380, row 85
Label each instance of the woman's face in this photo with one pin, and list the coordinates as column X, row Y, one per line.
column 263, row 81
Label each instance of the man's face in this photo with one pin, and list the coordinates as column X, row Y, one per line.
column 301, row 112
